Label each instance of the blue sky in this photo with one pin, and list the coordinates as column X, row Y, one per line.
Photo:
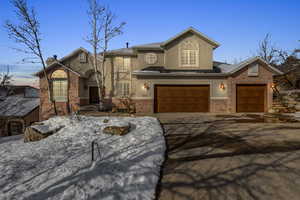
column 238, row 25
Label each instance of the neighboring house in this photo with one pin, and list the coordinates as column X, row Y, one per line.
column 19, row 107
column 177, row 75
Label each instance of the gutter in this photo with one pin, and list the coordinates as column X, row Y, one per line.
column 155, row 73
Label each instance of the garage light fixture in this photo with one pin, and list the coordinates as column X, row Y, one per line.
column 222, row 86
column 146, row 86
column 273, row 86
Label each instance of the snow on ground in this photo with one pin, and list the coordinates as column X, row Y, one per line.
column 60, row 166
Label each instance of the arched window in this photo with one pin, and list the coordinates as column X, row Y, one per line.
column 189, row 53
column 59, row 85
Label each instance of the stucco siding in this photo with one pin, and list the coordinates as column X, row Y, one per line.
column 172, row 53
column 141, row 59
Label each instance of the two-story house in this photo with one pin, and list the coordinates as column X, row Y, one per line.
column 176, row 75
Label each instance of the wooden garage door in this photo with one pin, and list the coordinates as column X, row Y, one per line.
column 251, row 98
column 181, row 98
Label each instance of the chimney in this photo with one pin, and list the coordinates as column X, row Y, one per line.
column 50, row 60
column 127, row 45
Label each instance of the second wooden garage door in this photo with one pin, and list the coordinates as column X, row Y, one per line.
column 250, row 98
column 181, row 98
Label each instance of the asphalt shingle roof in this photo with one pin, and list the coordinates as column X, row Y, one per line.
column 17, row 106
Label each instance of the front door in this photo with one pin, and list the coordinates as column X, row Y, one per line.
column 94, row 95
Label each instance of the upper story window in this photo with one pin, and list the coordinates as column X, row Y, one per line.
column 189, row 54
column 59, row 85
column 123, row 64
column 150, row 58
column 253, row 70
column 83, row 57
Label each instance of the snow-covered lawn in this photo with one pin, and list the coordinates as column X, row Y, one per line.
column 60, row 166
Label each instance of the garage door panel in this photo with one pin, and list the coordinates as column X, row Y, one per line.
column 182, row 98
column 251, row 98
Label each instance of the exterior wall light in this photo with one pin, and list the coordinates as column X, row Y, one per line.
column 273, row 86
column 222, row 86
column 146, row 86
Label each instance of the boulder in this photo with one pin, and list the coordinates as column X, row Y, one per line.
column 117, row 129
column 38, row 132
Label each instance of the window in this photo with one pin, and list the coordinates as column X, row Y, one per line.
column 123, row 88
column 150, row 58
column 189, row 58
column 123, row 64
column 59, row 85
column 15, row 128
column 253, row 70
column 82, row 57
column 189, row 53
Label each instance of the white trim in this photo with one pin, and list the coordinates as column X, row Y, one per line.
column 215, row 44
column 142, row 98
column 188, row 74
column 251, row 60
column 214, row 98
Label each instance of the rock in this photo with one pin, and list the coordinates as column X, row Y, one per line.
column 32, row 135
column 38, row 132
column 117, row 129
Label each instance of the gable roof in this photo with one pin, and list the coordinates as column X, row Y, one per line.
column 122, row 51
column 160, row 45
column 196, row 32
column 156, row 45
column 235, row 68
column 17, row 106
column 224, row 70
column 60, row 61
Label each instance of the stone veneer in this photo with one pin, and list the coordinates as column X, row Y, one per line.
column 219, row 105
column 265, row 77
column 141, row 105
column 63, row 108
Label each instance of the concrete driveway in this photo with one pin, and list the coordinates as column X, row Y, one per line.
column 230, row 157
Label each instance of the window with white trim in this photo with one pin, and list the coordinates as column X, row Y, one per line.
column 59, row 85
column 189, row 54
column 123, row 88
column 83, row 57
column 253, row 70
column 123, row 64
column 151, row 58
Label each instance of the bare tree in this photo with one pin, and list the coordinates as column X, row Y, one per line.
column 270, row 53
column 267, row 50
column 5, row 76
column 27, row 33
column 103, row 30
